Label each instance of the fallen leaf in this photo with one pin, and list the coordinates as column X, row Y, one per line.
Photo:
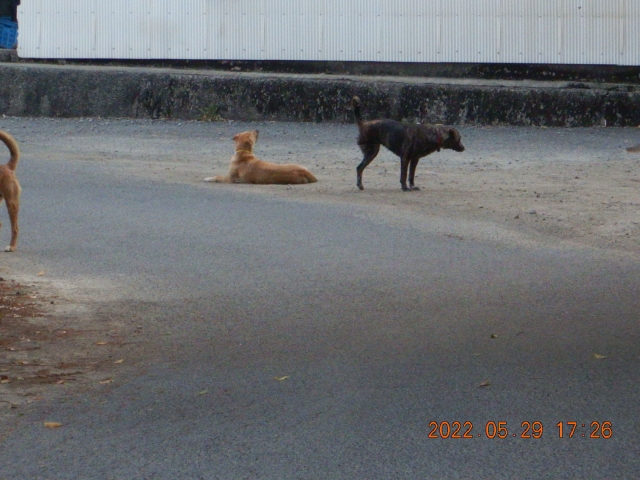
column 203, row 392
column 493, row 335
column 52, row 424
column 119, row 361
column 41, row 274
column 599, row 357
column 105, row 381
column 280, row 379
column 59, row 382
column 100, row 343
column 485, row 384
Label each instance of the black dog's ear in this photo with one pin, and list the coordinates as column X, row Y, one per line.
column 454, row 134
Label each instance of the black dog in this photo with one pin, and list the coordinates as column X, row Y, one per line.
column 409, row 142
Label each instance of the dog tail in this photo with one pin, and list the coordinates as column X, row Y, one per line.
column 311, row 178
column 218, row 179
column 355, row 103
column 12, row 145
column 634, row 149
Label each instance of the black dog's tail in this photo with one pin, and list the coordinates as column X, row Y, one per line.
column 355, row 103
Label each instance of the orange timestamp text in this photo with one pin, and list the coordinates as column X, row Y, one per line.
column 527, row 429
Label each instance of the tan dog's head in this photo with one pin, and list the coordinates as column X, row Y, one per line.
column 246, row 140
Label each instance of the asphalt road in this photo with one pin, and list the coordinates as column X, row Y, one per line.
column 306, row 340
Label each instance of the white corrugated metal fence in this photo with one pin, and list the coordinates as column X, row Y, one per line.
column 465, row 31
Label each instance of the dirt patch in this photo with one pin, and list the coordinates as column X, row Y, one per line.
column 48, row 345
column 578, row 186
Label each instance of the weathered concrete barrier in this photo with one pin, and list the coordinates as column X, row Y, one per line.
column 139, row 92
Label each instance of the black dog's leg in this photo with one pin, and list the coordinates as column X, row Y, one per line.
column 404, row 166
column 412, row 173
column 370, row 151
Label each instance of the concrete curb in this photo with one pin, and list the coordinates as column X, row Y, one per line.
column 143, row 92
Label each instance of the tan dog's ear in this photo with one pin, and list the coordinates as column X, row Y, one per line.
column 235, row 137
column 257, row 132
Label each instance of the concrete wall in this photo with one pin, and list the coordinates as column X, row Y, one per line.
column 89, row 91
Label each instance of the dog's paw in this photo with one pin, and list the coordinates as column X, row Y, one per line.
column 219, row 179
column 414, row 188
column 10, row 249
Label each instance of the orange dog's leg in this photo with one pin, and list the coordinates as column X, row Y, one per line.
column 13, row 207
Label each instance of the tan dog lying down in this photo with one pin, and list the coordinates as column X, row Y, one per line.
column 245, row 167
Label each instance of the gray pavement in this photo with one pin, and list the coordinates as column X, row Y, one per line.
column 294, row 340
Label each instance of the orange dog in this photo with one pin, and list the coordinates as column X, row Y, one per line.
column 10, row 188
column 245, row 167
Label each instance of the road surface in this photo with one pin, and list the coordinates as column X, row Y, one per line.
column 284, row 338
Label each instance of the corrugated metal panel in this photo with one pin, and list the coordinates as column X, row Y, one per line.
column 630, row 33
column 479, row 31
